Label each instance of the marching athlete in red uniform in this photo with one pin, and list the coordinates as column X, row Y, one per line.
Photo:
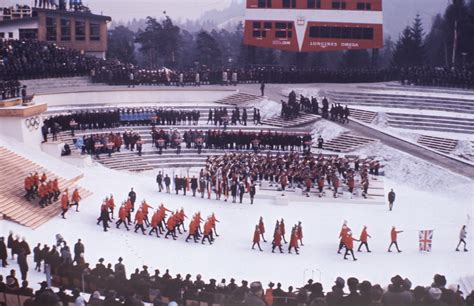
column 293, row 241
column 277, row 241
column 394, row 235
column 342, row 236
column 256, row 238
column 349, row 243
column 363, row 239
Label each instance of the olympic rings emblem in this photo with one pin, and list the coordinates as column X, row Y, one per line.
column 32, row 123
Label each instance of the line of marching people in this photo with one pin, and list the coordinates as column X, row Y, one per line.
column 47, row 190
column 347, row 240
column 162, row 222
column 296, row 236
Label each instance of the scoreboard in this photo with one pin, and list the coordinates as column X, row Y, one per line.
column 314, row 25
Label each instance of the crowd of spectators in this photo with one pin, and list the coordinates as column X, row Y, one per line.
column 438, row 77
column 110, row 285
column 27, row 59
column 10, row 89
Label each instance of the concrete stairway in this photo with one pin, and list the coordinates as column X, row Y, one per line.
column 403, row 101
column 301, row 120
column 239, row 98
column 362, row 115
column 467, row 284
column 443, row 145
column 346, row 142
column 43, row 85
column 13, row 206
column 412, row 88
column 431, row 123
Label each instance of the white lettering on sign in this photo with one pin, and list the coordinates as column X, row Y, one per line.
column 281, row 42
column 349, row 44
column 323, row 44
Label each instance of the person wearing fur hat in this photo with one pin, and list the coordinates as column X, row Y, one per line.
column 255, row 296
column 396, row 294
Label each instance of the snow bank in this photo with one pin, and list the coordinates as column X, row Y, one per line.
column 268, row 108
column 327, row 129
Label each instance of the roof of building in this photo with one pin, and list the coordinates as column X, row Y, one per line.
column 17, row 21
column 71, row 13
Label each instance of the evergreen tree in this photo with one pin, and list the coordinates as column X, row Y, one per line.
column 417, row 34
column 208, row 52
column 121, row 45
column 435, row 43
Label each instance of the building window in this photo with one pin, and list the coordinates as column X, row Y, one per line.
column 28, row 33
column 94, row 31
column 258, row 31
column 339, row 5
column 65, row 29
column 259, row 34
column 10, row 35
column 363, row 6
column 314, row 4
column 80, row 30
column 50, row 29
column 265, row 3
column 289, row 3
column 284, row 30
column 341, row 33
column 2, row 35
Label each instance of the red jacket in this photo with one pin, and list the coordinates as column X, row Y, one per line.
column 364, row 235
column 256, row 236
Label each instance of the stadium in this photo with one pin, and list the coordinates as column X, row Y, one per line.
column 296, row 159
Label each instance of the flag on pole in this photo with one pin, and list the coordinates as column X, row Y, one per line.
column 426, row 240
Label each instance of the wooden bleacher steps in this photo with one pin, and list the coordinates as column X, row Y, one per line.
column 13, row 205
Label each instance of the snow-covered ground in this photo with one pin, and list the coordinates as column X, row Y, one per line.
column 427, row 198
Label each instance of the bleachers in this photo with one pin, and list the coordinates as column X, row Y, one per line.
column 346, row 142
column 43, row 85
column 431, row 123
column 461, row 105
column 362, row 115
column 13, row 205
column 239, row 98
column 443, row 145
column 301, row 120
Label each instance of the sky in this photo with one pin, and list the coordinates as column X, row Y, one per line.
column 123, row 10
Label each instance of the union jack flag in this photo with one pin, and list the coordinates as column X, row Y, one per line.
column 426, row 240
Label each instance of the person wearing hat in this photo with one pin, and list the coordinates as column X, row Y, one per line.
column 119, row 269
column 363, row 239
column 349, row 242
column 255, row 296
column 393, row 235
column 256, row 238
column 396, row 294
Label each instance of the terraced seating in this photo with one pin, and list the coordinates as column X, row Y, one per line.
column 431, row 123
column 403, row 101
column 430, row 89
column 443, row 145
column 362, row 115
column 239, row 98
column 302, row 119
column 42, row 85
column 13, row 206
column 346, row 142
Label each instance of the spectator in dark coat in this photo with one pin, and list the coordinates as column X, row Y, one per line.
column 396, row 295
column 3, row 252
column 255, row 297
